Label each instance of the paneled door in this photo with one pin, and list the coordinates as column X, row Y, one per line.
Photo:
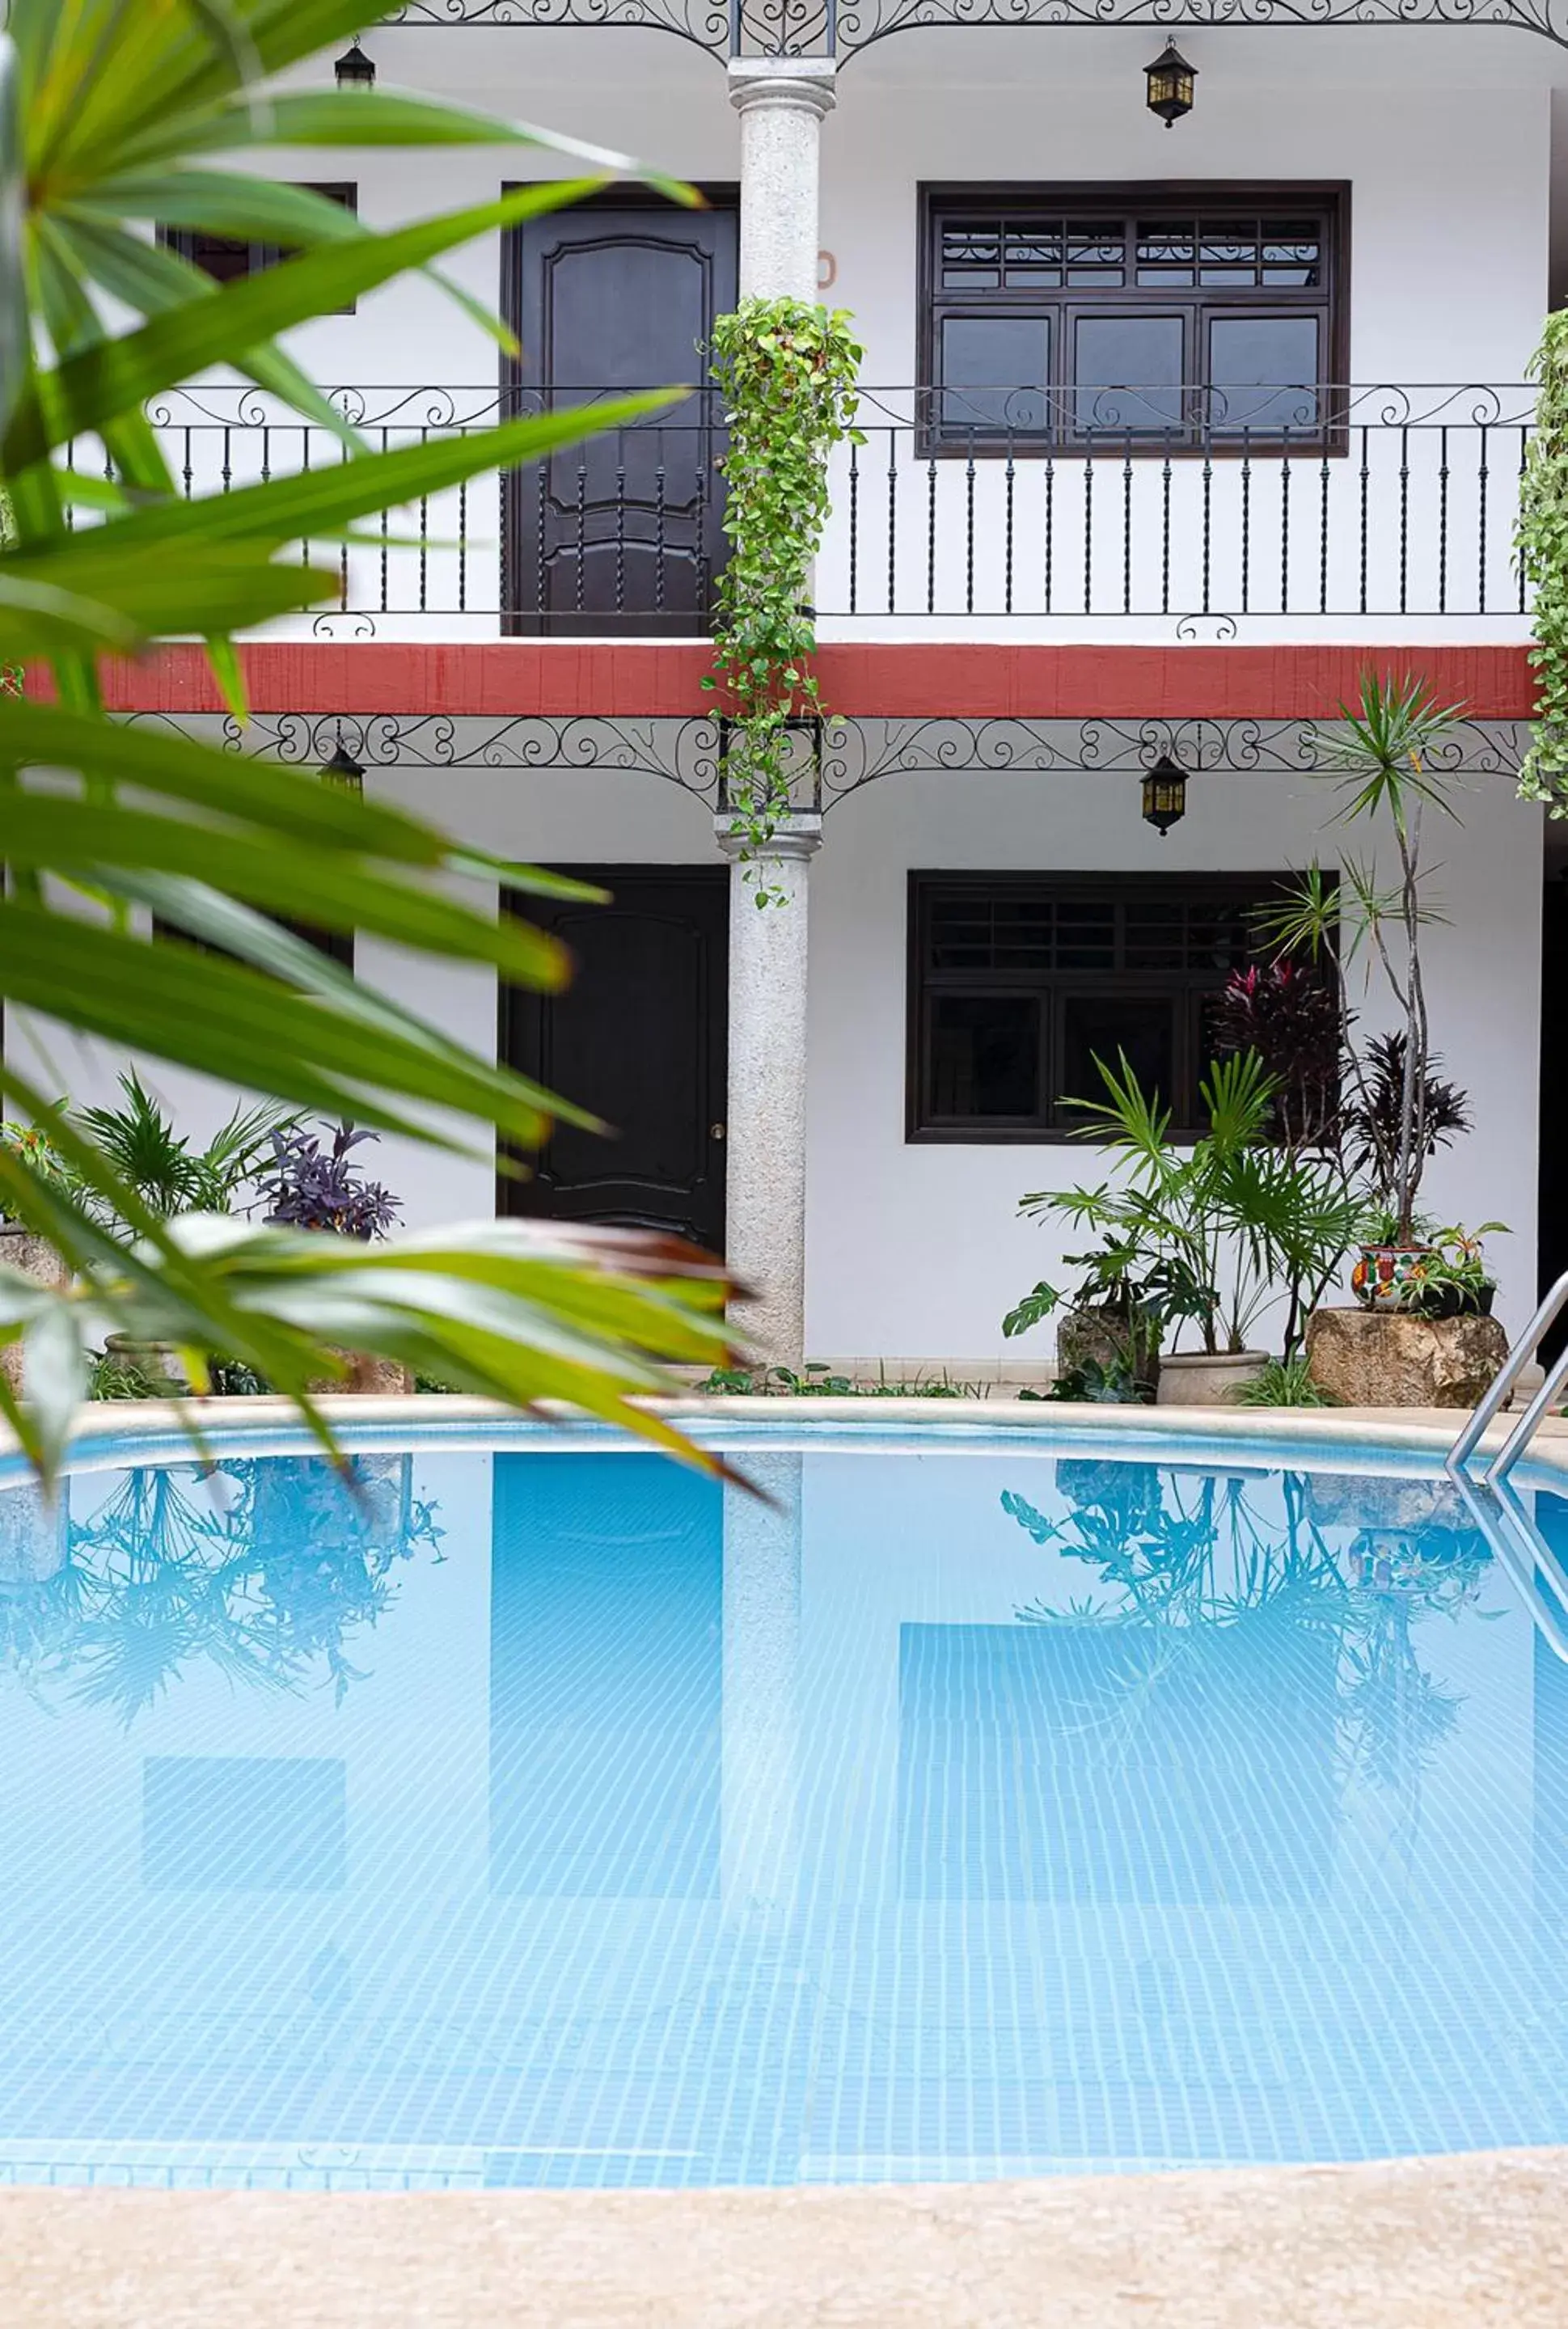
column 638, row 1037
column 620, row 536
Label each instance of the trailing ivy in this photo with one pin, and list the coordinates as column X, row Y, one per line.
column 786, row 369
column 1542, row 545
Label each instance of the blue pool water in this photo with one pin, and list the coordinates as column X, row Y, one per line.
column 545, row 1814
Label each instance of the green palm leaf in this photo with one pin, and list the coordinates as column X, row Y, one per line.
column 104, row 104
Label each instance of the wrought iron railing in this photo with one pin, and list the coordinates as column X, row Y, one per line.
column 1170, row 507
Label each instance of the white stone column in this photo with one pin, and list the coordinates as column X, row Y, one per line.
column 765, row 1167
column 781, row 101
column 760, row 1817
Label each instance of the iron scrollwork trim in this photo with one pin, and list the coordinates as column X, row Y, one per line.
column 842, row 28
column 686, row 753
column 855, row 753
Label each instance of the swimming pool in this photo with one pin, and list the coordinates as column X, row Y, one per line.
column 541, row 1814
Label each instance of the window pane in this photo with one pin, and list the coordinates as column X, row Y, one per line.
column 1167, row 251
column 1034, row 258
column 1156, row 935
column 1105, row 1026
column 972, row 257
column 994, row 372
column 219, row 256
column 985, row 1056
column 1085, row 934
column 995, row 934
column 1263, row 370
column 1228, row 252
column 1293, row 253
column 1128, row 371
column 1220, row 937
column 1096, row 253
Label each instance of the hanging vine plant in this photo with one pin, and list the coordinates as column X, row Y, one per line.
column 786, row 369
column 11, row 673
column 1542, row 546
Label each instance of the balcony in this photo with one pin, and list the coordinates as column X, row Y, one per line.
column 1318, row 513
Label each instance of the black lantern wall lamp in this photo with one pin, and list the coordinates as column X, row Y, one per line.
column 1170, row 81
column 343, row 769
column 354, row 69
column 1165, row 795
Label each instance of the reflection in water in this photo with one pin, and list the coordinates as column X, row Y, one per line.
column 958, row 1813
column 262, row 1569
column 1353, row 1566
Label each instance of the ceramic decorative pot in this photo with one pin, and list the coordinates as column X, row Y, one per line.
column 1386, row 1277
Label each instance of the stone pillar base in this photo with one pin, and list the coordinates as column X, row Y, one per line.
column 1386, row 1358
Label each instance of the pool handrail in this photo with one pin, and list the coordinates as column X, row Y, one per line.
column 1498, row 1392
column 1517, row 1542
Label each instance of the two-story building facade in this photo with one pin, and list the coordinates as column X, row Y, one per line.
column 1169, row 434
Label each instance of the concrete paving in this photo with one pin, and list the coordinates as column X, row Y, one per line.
column 1458, row 2243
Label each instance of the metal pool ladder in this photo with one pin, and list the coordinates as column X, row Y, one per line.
column 1493, row 1503
column 1497, row 1396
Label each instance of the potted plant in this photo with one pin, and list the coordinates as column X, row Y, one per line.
column 325, row 1189
column 171, row 1177
column 1232, row 1224
column 1130, row 1293
column 1452, row 1279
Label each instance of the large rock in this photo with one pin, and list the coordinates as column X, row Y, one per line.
column 1384, row 1358
column 372, row 1377
column 34, row 1258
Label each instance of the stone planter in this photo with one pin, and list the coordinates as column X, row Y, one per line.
column 1104, row 1338
column 159, row 1362
column 1208, row 1378
column 1393, row 1358
column 32, row 1257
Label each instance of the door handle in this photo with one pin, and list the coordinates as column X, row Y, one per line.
column 715, row 1132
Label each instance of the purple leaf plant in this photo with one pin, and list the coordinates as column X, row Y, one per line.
column 315, row 1188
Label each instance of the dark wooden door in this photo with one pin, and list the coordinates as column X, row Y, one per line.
column 638, row 1037
column 622, row 533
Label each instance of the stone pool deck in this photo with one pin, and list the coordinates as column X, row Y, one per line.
column 1456, row 2243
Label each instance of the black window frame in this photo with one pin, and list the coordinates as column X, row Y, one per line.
column 1185, row 989
column 1202, row 431
column 185, row 241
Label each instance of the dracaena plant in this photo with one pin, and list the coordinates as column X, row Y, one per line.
column 115, row 114
column 1389, row 761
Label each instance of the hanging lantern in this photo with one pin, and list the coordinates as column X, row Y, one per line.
column 354, row 69
column 343, row 769
column 1164, row 795
column 1170, row 85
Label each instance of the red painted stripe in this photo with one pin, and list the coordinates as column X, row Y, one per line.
column 559, row 679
